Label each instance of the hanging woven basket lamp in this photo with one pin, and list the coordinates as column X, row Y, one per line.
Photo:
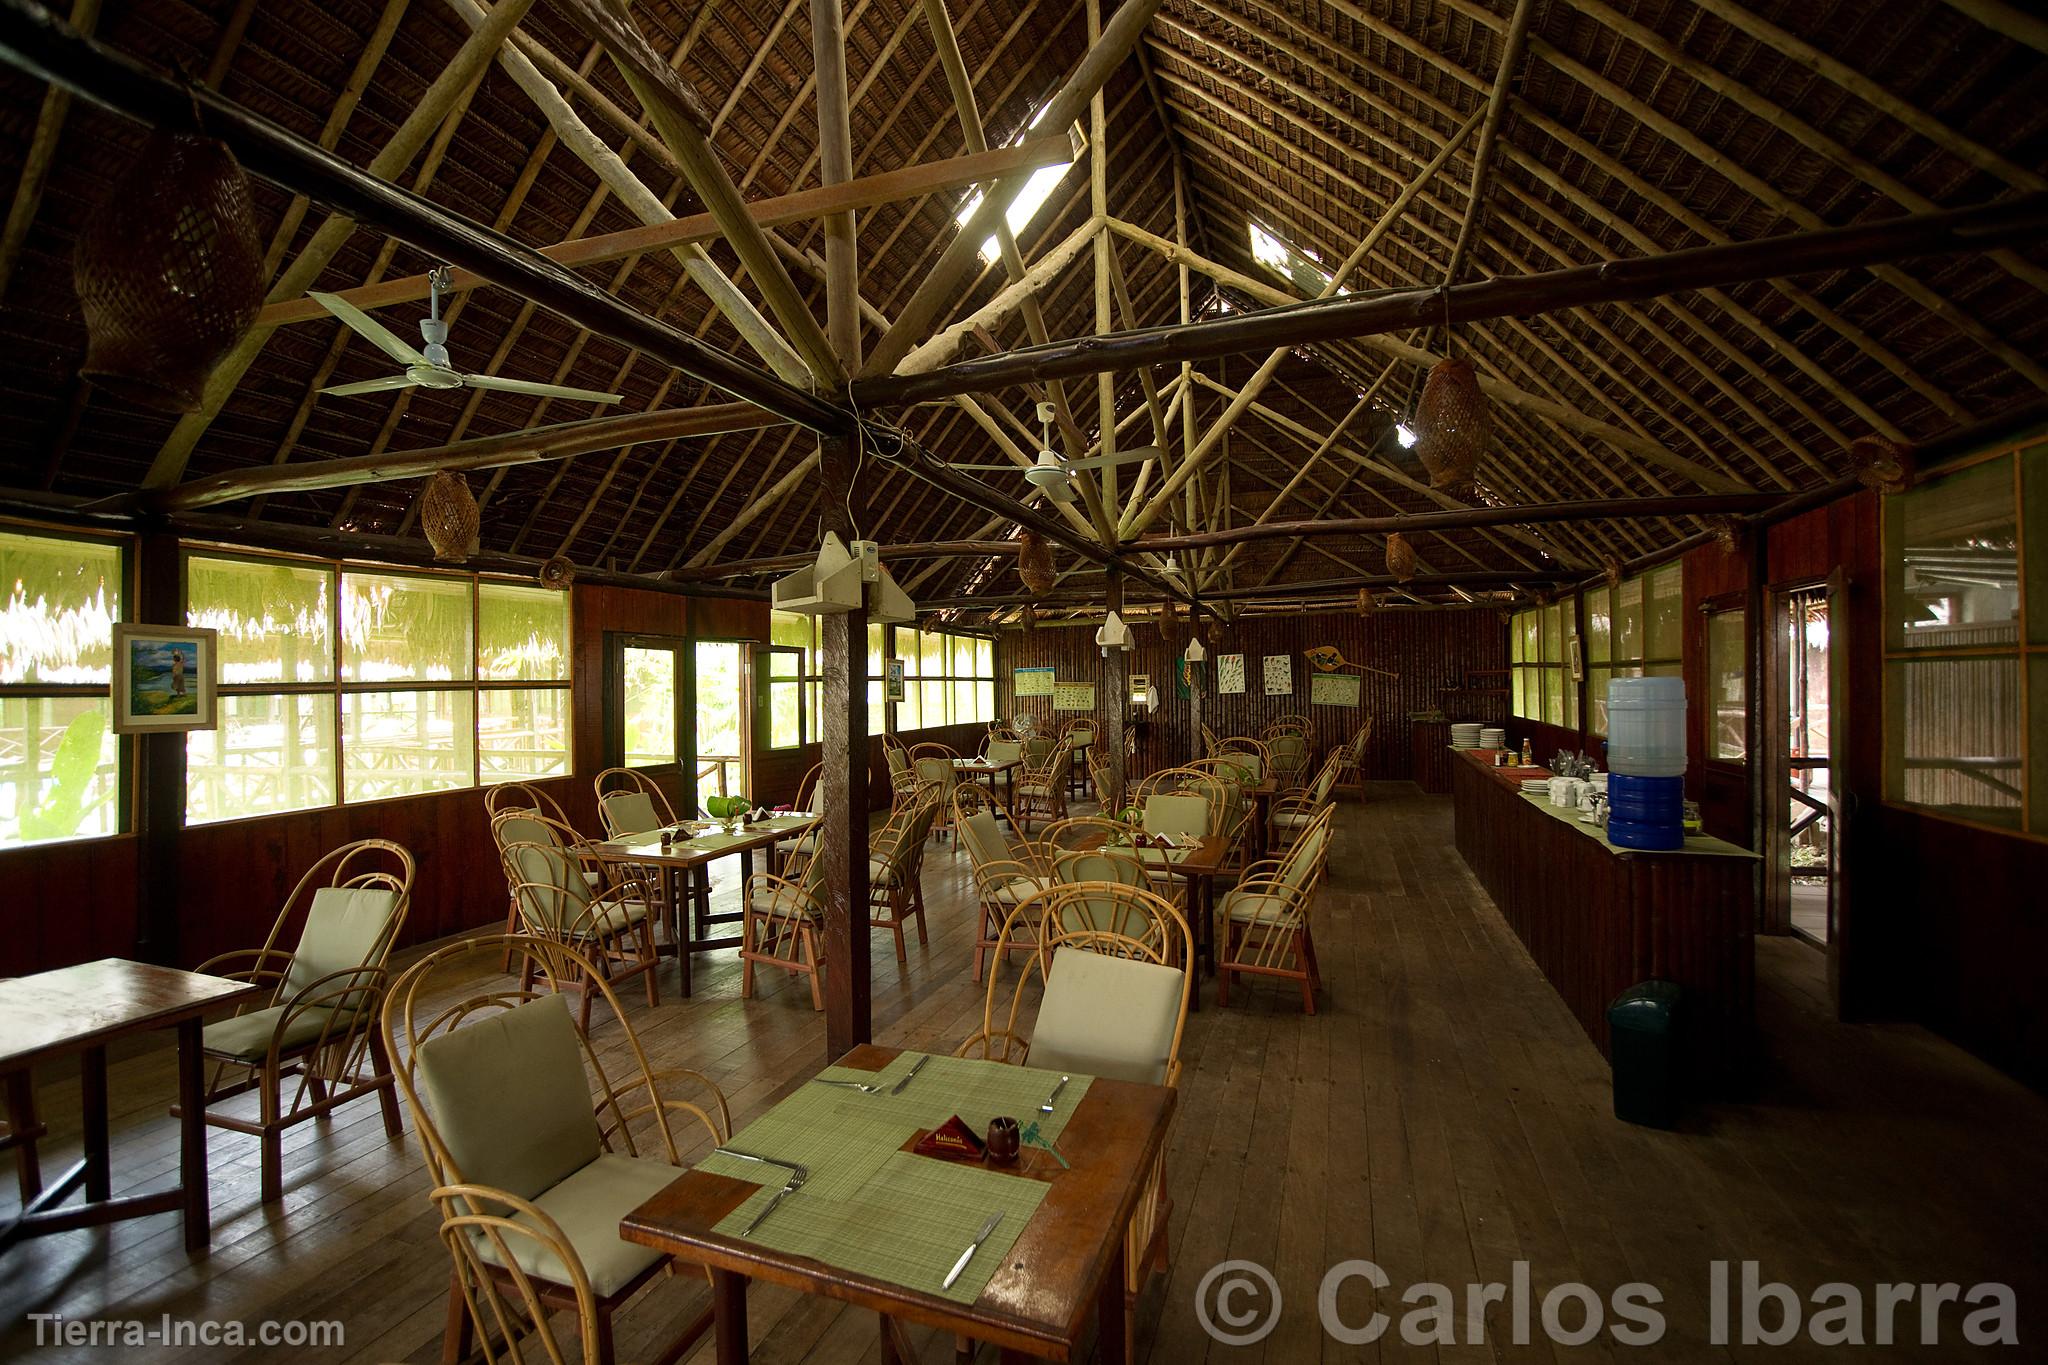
column 169, row 273
column 1451, row 425
column 1366, row 602
column 449, row 517
column 1400, row 557
column 1034, row 564
column 1881, row 463
column 558, row 572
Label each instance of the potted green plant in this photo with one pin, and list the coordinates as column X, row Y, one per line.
column 732, row 810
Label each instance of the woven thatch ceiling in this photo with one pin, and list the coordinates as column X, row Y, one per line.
column 1635, row 127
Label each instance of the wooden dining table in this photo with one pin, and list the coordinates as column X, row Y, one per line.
column 1066, row 1264
column 688, row 857
column 80, row 1010
column 981, row 767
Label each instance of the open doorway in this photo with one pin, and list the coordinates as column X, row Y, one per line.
column 1806, row 805
column 720, row 754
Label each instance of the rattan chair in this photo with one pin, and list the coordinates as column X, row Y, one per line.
column 1080, row 736
column 509, row 797
column 536, row 1152
column 1293, row 812
column 1042, row 790
column 790, row 855
column 780, row 928
column 312, row 1044
column 1108, row 795
column 896, row 867
column 1288, row 754
column 629, row 802
column 1262, row 925
column 1351, row 777
column 933, row 763
column 1184, row 801
column 1004, row 875
column 1111, row 1003
column 612, row 927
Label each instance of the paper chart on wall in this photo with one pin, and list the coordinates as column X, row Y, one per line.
column 1073, row 696
column 1279, row 675
column 1034, row 682
column 1334, row 689
column 1229, row 674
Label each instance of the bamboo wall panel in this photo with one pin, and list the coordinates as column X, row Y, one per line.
column 66, row 903
column 1433, row 651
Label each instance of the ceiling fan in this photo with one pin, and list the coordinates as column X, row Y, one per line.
column 429, row 368
column 1053, row 474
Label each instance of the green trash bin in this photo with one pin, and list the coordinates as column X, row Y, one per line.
column 1643, row 1023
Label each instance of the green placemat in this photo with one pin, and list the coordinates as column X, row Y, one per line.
column 866, row 1204
column 907, row 1223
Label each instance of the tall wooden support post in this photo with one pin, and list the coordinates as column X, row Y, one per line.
column 843, row 840
column 1116, row 683
column 158, row 802
column 1194, row 692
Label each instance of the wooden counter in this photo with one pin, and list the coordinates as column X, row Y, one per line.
column 1598, row 919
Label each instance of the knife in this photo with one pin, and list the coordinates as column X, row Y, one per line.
column 915, row 1067
column 968, row 1255
column 1046, row 1108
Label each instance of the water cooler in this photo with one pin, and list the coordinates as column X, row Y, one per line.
column 1646, row 757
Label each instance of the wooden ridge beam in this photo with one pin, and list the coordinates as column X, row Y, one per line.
column 927, row 549
column 1984, row 227
column 1587, row 509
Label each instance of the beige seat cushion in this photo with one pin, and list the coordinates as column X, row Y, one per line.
column 508, row 1094
column 1177, row 813
column 344, row 928
column 1107, row 1016
column 630, row 812
column 1250, row 907
column 1002, row 751
column 790, row 905
column 1018, row 889
column 587, row 1207
column 1291, row 819
column 246, row 1037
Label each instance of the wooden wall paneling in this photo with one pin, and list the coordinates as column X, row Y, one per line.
column 1433, row 651
column 67, row 902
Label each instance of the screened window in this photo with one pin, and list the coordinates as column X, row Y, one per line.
column 1728, row 685
column 1541, row 685
column 1633, row 631
column 60, row 774
column 787, row 679
column 1966, row 650
column 346, row 685
column 948, row 679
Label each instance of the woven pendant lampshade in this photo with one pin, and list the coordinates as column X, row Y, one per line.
column 1029, row 618
column 169, row 273
column 448, row 515
column 1450, row 424
column 1366, row 602
column 1882, row 464
column 558, row 572
column 1034, row 563
column 1214, row 633
column 1400, row 557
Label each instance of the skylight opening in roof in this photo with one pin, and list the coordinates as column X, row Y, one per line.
column 1026, row 203
column 1301, row 268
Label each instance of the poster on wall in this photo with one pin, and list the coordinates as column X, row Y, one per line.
column 1034, row 682
column 1334, row 689
column 893, row 686
column 1279, row 675
column 1229, row 674
column 1187, row 679
column 1073, row 696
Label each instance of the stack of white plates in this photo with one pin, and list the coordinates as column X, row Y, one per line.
column 1493, row 737
column 1465, row 735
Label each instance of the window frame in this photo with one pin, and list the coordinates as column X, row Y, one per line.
column 2029, row 470
column 1603, row 669
column 125, row 586
column 1734, row 604
column 337, row 688
column 1550, row 666
column 948, row 680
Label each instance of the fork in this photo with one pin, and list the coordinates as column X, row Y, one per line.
column 1046, row 1108
column 850, row 1085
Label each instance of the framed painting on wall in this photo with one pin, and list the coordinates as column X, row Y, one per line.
column 164, row 679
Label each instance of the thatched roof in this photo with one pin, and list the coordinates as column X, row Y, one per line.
column 1631, row 128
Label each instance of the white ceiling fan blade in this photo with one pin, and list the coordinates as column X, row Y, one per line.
column 1135, row 455
column 994, row 468
column 388, row 382
column 486, row 381
column 369, row 329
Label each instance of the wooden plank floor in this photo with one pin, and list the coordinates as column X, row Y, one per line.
column 1443, row 1116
